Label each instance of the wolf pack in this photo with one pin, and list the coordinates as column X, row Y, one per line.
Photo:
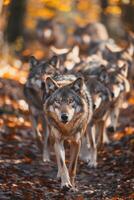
column 77, row 95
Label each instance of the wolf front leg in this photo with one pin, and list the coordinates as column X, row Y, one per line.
column 93, row 146
column 106, row 139
column 46, row 153
column 37, row 134
column 74, row 151
column 62, row 168
column 114, row 115
column 101, row 133
column 46, row 150
column 84, row 151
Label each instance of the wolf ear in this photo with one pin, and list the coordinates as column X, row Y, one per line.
column 51, row 85
column 55, row 62
column 130, row 49
column 33, row 61
column 77, row 85
column 124, row 70
column 75, row 51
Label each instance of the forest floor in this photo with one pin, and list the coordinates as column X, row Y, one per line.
column 24, row 176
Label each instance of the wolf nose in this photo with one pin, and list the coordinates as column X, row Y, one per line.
column 64, row 118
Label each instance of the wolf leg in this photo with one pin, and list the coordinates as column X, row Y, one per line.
column 59, row 165
column 46, row 153
column 62, row 168
column 105, row 137
column 59, row 170
column 75, row 149
column 114, row 115
column 37, row 134
column 93, row 147
column 84, row 151
column 100, row 127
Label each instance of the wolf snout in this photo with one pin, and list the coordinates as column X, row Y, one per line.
column 64, row 117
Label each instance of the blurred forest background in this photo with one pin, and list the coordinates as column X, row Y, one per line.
column 21, row 25
column 22, row 35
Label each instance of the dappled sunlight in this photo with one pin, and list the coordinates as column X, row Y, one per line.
column 23, row 174
column 120, row 135
column 15, row 161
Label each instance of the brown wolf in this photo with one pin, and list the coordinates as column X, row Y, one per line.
column 68, row 109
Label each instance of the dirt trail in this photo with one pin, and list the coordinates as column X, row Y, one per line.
column 23, row 176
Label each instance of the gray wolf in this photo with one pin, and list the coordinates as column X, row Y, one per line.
column 107, row 87
column 33, row 94
column 97, row 128
column 68, row 110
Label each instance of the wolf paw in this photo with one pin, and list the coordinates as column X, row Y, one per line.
column 46, row 157
column 111, row 129
column 92, row 164
column 66, row 186
column 85, row 155
column 85, row 159
column 73, row 189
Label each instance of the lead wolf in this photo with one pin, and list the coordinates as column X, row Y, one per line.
column 68, row 109
column 33, row 95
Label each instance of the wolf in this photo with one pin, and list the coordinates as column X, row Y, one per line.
column 120, row 58
column 97, row 128
column 68, row 57
column 114, row 78
column 119, row 86
column 68, row 110
column 91, row 37
column 107, row 86
column 33, row 94
column 116, row 81
column 51, row 32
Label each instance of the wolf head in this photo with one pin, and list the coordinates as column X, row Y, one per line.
column 68, row 57
column 38, row 69
column 64, row 103
column 123, row 56
column 99, row 92
column 72, row 57
column 117, row 82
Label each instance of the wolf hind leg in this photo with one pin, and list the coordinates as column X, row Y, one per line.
column 37, row 134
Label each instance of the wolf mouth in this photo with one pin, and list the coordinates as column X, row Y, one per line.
column 64, row 122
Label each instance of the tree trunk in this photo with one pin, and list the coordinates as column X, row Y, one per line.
column 15, row 21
